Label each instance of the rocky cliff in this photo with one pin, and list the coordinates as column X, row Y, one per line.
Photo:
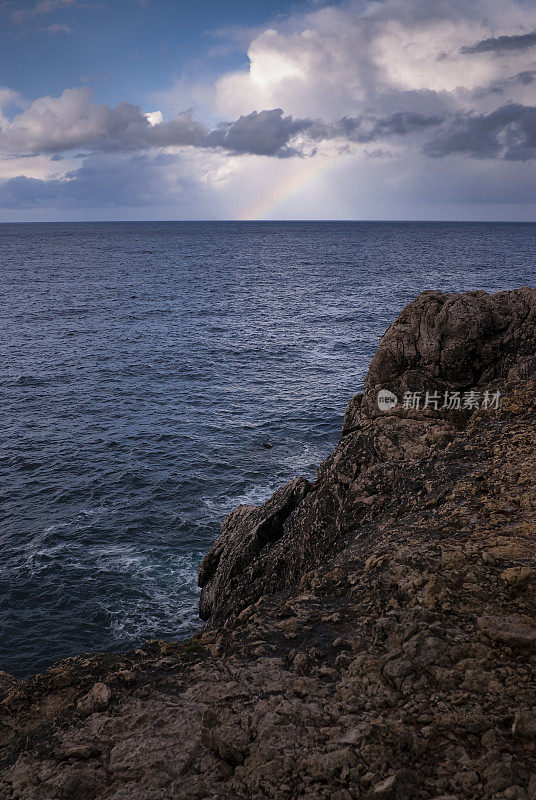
column 368, row 635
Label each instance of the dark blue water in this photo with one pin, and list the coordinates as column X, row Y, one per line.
column 144, row 368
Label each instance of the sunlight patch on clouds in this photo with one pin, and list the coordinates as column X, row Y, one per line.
column 154, row 117
column 272, row 64
column 341, row 60
column 428, row 58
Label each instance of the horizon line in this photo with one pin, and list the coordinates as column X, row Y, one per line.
column 265, row 221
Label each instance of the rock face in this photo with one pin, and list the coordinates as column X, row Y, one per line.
column 369, row 635
column 455, row 341
column 439, row 343
column 245, row 533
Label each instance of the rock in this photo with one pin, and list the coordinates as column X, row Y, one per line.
column 352, row 416
column 510, row 630
column 398, row 668
column 7, row 682
column 446, row 797
column 77, row 751
column 452, row 341
column 384, row 789
column 394, row 787
column 519, row 577
column 245, row 533
column 439, row 342
column 229, row 748
column 499, row 776
column 524, row 724
column 96, row 699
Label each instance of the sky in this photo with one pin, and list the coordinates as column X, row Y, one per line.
column 367, row 109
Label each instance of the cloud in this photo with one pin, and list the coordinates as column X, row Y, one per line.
column 501, row 44
column 21, row 15
column 208, row 185
column 72, row 121
column 54, row 124
column 507, row 133
column 108, row 182
column 154, row 117
column 513, row 85
column 57, row 28
column 379, row 87
column 369, row 129
column 9, row 97
column 8, row 100
column 265, row 133
column 348, row 59
column 526, row 77
column 357, row 73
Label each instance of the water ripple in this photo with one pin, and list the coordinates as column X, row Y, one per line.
column 144, row 369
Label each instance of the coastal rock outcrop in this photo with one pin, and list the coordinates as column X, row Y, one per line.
column 441, row 343
column 369, row 635
column 245, row 533
column 454, row 341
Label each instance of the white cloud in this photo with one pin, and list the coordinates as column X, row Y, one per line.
column 154, row 117
column 343, row 60
column 9, row 100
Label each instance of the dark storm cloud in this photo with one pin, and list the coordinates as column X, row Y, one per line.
column 501, row 44
column 23, row 192
column 369, row 129
column 526, row 77
column 71, row 121
column 263, row 133
column 508, row 133
column 501, row 86
column 52, row 125
column 269, row 133
column 522, row 78
column 112, row 181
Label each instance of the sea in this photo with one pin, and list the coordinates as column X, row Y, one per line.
column 155, row 375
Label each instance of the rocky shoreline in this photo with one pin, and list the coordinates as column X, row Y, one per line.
column 368, row 635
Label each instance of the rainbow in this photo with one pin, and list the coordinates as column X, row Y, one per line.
column 302, row 176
